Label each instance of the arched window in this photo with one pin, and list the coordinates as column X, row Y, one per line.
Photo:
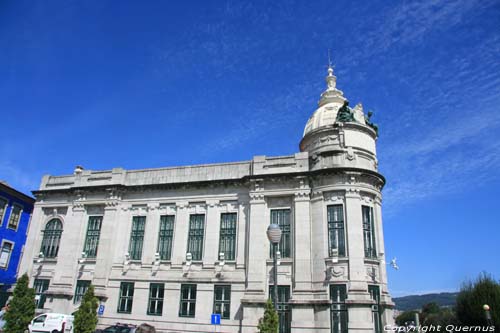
column 51, row 238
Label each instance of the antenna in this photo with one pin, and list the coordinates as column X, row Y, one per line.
column 329, row 59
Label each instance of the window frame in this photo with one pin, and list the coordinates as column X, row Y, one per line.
column 226, row 291
column 128, row 299
column 339, row 308
column 4, row 211
column 7, row 262
column 333, row 226
column 224, row 239
column 11, row 215
column 166, row 236
column 81, row 284
column 40, row 286
column 137, row 238
column 374, row 292
column 190, row 301
column 195, row 240
column 157, row 300
column 95, row 237
column 286, row 235
column 55, row 235
column 369, row 240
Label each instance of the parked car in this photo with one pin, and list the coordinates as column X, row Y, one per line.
column 126, row 328
column 52, row 323
column 118, row 328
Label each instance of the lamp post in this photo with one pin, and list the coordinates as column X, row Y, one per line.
column 486, row 309
column 274, row 236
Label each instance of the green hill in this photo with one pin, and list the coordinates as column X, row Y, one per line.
column 414, row 302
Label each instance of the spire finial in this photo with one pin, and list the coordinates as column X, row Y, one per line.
column 330, row 67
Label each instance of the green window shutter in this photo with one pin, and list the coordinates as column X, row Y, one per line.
column 222, row 301
column 126, row 297
column 369, row 232
column 196, row 234
column 80, row 290
column 165, row 237
column 51, row 238
column 137, row 237
column 376, row 315
column 281, row 217
column 284, row 309
column 40, row 286
column 156, row 296
column 338, row 309
column 227, row 236
column 336, row 233
column 187, row 307
column 92, row 237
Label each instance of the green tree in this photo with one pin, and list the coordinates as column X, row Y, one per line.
column 86, row 315
column 472, row 297
column 269, row 323
column 22, row 307
column 405, row 317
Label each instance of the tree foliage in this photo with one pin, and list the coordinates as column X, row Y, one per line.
column 269, row 323
column 405, row 317
column 22, row 307
column 472, row 297
column 86, row 315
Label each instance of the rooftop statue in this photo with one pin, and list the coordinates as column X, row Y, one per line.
column 345, row 114
column 369, row 123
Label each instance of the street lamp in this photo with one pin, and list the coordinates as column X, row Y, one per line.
column 274, row 236
column 486, row 309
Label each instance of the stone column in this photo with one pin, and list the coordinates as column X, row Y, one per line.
column 107, row 242
column 358, row 299
column 241, row 240
column 181, row 233
column 151, row 233
column 33, row 241
column 258, row 248
column 212, row 226
column 61, row 287
column 302, row 244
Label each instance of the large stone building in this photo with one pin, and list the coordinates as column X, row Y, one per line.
column 171, row 246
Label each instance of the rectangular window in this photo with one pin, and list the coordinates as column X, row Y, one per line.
column 137, row 237
column 40, row 286
column 196, row 233
column 281, row 217
column 227, row 237
column 369, row 232
column 166, row 236
column 5, row 253
column 284, row 310
column 336, row 235
column 338, row 309
column 92, row 238
column 187, row 307
column 126, row 297
column 377, row 319
column 156, row 295
column 15, row 216
column 80, row 290
column 222, row 301
column 3, row 206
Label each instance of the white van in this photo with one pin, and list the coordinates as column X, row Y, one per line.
column 52, row 323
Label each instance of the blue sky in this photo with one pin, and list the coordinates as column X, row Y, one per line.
column 149, row 84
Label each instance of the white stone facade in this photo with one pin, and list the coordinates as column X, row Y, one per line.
column 337, row 165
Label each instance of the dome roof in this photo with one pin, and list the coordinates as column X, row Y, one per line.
column 332, row 99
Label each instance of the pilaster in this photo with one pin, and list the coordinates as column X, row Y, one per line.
column 212, row 225
column 181, row 233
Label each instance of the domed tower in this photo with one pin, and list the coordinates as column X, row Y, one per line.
column 346, row 212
